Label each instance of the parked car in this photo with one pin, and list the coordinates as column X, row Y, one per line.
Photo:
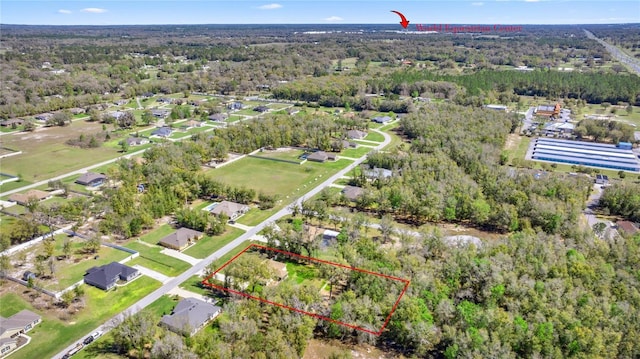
column 97, row 334
column 88, row 340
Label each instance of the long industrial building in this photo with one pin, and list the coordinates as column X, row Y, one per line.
column 585, row 154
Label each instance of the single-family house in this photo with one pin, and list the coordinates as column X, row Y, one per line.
column 261, row 108
column 318, row 156
column 349, row 144
column 44, row 117
column 235, row 106
column 147, row 95
column 105, row 277
column 13, row 327
column 376, row 173
column 279, row 269
column 180, row 239
column 77, row 110
column 137, row 141
column 24, row 198
column 189, row 316
column 116, row 114
column 352, row 193
column 219, row 117
column 121, row 102
column 166, row 100
column 381, row 119
column 191, row 124
column 12, row 122
column 160, row 113
column 230, row 209
column 356, row 134
column 627, row 228
column 161, row 132
column 91, row 179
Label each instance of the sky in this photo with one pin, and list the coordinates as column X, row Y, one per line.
column 143, row 12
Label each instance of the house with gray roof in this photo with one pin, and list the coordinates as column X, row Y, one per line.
column 91, row 179
column 161, row 132
column 356, row 134
column 137, row 141
column 230, row 209
column 218, row 117
column 180, row 239
column 381, row 119
column 189, row 316
column 106, row 277
column 319, row 156
column 352, row 193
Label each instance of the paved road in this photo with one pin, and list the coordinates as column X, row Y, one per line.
column 173, row 283
column 632, row 63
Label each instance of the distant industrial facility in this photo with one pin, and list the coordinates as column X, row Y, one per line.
column 600, row 155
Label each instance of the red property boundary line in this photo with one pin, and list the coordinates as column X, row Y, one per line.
column 406, row 282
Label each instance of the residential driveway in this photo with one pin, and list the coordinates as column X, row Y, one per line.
column 183, row 293
column 181, row 256
column 153, row 274
column 241, row 226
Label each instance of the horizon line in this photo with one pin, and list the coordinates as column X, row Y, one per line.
column 324, row 24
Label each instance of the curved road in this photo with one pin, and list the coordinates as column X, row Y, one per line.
column 144, row 302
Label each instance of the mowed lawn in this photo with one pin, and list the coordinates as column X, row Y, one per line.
column 207, row 245
column 276, row 178
column 45, row 154
column 150, row 257
column 53, row 335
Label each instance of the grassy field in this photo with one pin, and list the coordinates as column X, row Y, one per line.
column 13, row 185
column 235, row 118
column 276, row 178
column 374, row 136
column 283, row 154
column 150, row 257
column 52, row 335
column 256, row 216
column 207, row 245
column 194, row 285
column 356, row 152
column 45, row 154
column 157, row 234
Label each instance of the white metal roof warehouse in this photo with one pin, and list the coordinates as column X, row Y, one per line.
column 585, row 154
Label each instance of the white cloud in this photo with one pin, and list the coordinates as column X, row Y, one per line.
column 477, row 3
column 64, row 11
column 334, row 18
column 270, row 6
column 94, row 10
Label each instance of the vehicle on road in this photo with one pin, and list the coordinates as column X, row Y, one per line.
column 88, row 340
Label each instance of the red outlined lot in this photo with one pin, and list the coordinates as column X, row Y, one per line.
column 406, row 283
